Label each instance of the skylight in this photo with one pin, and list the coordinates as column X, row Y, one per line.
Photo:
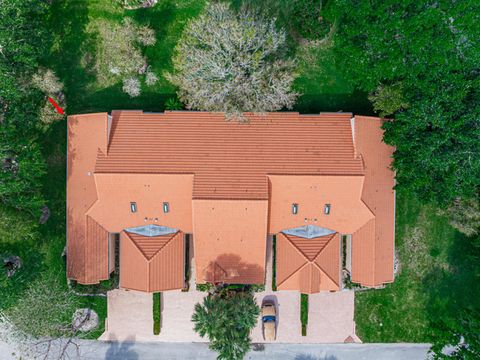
column 133, row 207
column 294, row 209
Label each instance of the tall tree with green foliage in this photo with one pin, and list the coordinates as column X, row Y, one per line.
column 227, row 317
column 430, row 47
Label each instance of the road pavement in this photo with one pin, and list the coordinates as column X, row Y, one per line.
column 98, row 350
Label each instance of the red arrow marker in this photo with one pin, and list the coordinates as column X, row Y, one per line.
column 59, row 109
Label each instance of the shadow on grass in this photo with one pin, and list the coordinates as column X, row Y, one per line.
column 453, row 291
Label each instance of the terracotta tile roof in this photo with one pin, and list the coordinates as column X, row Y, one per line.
column 230, row 185
column 149, row 192
column 229, row 238
column 347, row 210
column 85, row 258
column 230, row 160
column 372, row 264
column 308, row 265
column 152, row 263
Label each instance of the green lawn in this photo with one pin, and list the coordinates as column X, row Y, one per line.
column 435, row 275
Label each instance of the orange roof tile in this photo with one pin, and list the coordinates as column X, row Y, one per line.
column 230, row 160
column 348, row 212
column 149, row 192
column 87, row 261
column 308, row 265
column 243, row 179
column 152, row 263
column 379, row 196
column 229, row 238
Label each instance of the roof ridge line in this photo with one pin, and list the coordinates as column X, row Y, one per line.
column 164, row 245
column 300, row 267
column 136, row 245
column 316, row 257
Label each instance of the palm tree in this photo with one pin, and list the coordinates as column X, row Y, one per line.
column 226, row 318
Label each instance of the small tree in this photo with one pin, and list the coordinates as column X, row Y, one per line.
column 233, row 63
column 227, row 318
column 118, row 54
column 388, row 99
column 46, row 81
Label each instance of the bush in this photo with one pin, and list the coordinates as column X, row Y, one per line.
column 45, row 309
column 464, row 216
column 173, row 104
column 304, row 313
column 388, row 99
column 46, row 81
column 307, row 20
column 156, row 313
column 235, row 66
column 131, row 86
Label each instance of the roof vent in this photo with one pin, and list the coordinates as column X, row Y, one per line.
column 166, row 207
column 133, row 207
column 294, row 209
column 326, row 209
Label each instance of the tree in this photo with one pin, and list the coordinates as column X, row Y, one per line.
column 388, row 99
column 237, row 65
column 429, row 47
column 118, row 54
column 227, row 318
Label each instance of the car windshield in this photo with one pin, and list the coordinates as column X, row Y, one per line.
column 268, row 318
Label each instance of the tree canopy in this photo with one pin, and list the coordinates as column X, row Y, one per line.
column 428, row 47
column 226, row 318
column 237, row 65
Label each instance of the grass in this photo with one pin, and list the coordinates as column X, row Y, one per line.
column 434, row 276
column 156, row 313
column 304, row 313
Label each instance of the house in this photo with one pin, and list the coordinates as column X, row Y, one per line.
column 139, row 183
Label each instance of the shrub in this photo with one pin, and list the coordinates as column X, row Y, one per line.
column 388, row 99
column 308, row 20
column 150, row 78
column 156, row 313
column 304, row 313
column 131, row 86
column 235, row 66
column 173, row 104
column 46, row 81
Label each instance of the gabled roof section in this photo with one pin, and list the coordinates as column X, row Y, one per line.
column 150, row 245
column 230, row 160
column 152, row 263
column 308, row 265
column 116, row 192
column 311, row 193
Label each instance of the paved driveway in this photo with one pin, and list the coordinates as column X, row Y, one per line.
column 130, row 315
